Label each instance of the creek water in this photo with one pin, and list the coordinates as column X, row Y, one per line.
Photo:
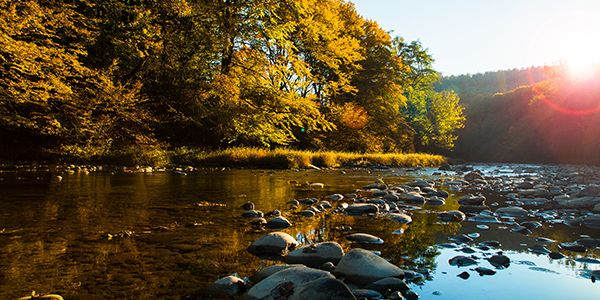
column 163, row 235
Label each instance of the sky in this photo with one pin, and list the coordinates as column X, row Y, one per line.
column 476, row 36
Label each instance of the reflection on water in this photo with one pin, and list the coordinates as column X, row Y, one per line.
column 142, row 236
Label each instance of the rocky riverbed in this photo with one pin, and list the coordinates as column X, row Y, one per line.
column 362, row 232
column 535, row 197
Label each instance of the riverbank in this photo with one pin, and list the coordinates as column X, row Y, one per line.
column 265, row 158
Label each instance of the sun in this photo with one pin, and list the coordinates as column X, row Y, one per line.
column 570, row 39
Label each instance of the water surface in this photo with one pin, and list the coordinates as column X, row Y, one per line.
column 116, row 235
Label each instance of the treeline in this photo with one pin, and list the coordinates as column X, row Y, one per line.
column 551, row 121
column 83, row 77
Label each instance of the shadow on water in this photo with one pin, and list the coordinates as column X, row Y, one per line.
column 162, row 235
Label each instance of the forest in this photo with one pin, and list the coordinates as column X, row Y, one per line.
column 536, row 115
column 82, row 78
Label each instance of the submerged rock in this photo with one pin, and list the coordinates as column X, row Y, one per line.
column 452, row 216
column 512, row 211
column 461, row 260
column 364, row 238
column 226, row 286
column 499, row 261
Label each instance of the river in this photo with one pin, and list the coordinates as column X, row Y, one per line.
column 164, row 234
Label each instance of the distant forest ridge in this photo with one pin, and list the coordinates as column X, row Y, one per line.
column 534, row 115
column 491, row 82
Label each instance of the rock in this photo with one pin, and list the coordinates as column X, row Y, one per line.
column 556, row 255
column 491, row 244
column 575, row 247
column 279, row 222
column 291, row 278
column 578, row 203
column 328, row 266
column 537, row 248
column 411, row 295
column 472, row 176
column 306, row 213
column 452, row 216
column 592, row 221
column 464, row 275
column 473, row 208
column 264, row 273
column 400, row 218
column 258, row 221
column 316, row 255
column 589, row 191
column 273, row 244
column 445, row 167
column 390, row 283
column 364, row 238
column 499, row 261
column 484, row 271
column 522, row 230
column 366, row 294
column 362, row 208
column 413, row 198
column 336, row 197
column 364, row 267
column 435, row 200
column 531, row 225
column 525, row 185
column 461, row 238
column 461, row 260
column 228, row 286
column 44, row 297
column 471, row 199
column 391, row 197
column 323, row 289
column 484, row 219
column 308, row 201
column 248, row 206
column 253, row 214
column 587, row 242
column 512, row 211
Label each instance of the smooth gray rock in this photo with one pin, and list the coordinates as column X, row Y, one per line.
column 413, row 197
column 323, row 289
column 295, row 276
column 461, row 260
column 366, row 294
column 592, row 221
column 253, row 214
column 316, row 255
column 512, row 211
column 399, row 218
column 229, row 285
column 364, row 238
column 273, row 244
column 279, row 222
column 364, row 267
column 471, row 199
column 362, row 208
column 264, row 273
column 452, row 216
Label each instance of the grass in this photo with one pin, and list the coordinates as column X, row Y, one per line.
column 266, row 158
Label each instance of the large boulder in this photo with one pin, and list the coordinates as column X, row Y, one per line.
column 316, row 255
column 287, row 279
column 323, row 289
column 225, row 286
column 273, row 244
column 364, row 267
